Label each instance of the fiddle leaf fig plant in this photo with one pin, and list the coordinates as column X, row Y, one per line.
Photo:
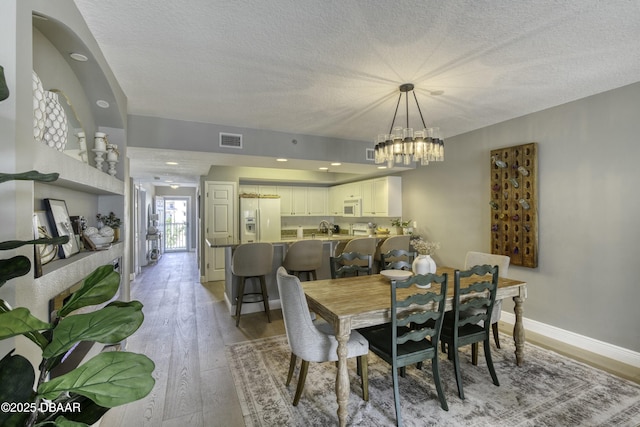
column 81, row 396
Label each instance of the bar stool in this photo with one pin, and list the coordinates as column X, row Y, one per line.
column 304, row 256
column 252, row 261
column 362, row 245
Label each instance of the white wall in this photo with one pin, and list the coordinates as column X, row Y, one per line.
column 589, row 211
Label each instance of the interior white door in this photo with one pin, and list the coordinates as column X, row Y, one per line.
column 221, row 221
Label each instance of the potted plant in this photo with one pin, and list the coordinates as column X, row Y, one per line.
column 400, row 225
column 81, row 396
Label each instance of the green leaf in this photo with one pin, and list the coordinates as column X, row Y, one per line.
column 13, row 267
column 17, row 377
column 34, row 336
column 13, row 244
column 29, row 176
column 108, row 325
column 98, row 287
column 19, row 321
column 109, row 379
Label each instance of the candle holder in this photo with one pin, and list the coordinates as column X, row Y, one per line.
column 99, row 159
column 112, row 167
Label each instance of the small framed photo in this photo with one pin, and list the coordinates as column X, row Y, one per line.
column 61, row 226
column 43, row 254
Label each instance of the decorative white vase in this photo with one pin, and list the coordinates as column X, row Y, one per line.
column 423, row 264
column 39, row 107
column 55, row 124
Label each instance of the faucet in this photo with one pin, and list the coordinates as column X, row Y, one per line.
column 326, row 225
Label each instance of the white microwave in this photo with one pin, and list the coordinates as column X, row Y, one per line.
column 352, row 207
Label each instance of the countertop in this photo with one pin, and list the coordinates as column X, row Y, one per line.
column 223, row 242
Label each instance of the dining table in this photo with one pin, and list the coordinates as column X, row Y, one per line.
column 357, row 302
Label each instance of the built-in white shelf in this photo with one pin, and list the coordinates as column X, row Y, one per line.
column 74, row 174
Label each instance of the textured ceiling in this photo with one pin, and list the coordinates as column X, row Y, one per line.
column 333, row 68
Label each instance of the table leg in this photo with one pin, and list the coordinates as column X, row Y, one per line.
column 518, row 330
column 343, row 330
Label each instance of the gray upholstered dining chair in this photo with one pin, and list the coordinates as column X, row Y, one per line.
column 311, row 342
column 502, row 261
column 304, row 256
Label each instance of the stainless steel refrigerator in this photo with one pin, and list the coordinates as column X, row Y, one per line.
column 259, row 219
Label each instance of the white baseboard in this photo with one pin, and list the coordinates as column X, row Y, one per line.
column 601, row 348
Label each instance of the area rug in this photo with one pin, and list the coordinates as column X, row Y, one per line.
column 548, row 390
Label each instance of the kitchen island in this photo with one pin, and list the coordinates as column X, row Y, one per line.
column 279, row 251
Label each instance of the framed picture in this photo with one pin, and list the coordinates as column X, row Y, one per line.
column 61, row 226
column 43, row 254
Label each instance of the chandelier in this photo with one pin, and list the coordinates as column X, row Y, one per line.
column 402, row 146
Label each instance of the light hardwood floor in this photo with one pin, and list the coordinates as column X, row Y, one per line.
column 186, row 328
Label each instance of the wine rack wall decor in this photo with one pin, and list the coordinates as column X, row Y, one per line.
column 514, row 203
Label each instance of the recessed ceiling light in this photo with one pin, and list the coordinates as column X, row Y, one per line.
column 102, row 103
column 79, row 57
column 282, row 160
column 171, row 163
column 174, row 186
column 324, row 168
column 336, row 164
column 382, row 167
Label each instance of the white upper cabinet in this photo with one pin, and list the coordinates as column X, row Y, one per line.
column 303, row 201
column 382, row 197
column 317, row 201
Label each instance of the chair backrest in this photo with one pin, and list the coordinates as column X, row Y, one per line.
column 476, row 295
column 305, row 340
column 252, row 259
column 392, row 243
column 481, row 258
column 419, row 315
column 397, row 259
column 351, row 264
column 303, row 255
column 364, row 245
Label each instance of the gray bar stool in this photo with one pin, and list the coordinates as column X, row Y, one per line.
column 252, row 261
column 304, row 256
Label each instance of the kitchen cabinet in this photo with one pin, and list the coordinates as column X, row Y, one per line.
column 263, row 190
column 382, row 197
column 336, row 200
column 317, row 201
column 303, row 201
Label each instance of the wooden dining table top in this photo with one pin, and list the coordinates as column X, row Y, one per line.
column 366, row 300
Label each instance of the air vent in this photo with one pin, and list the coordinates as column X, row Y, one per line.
column 370, row 154
column 230, row 140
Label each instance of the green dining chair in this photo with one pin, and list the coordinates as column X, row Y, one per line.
column 397, row 259
column 351, row 264
column 412, row 336
column 459, row 329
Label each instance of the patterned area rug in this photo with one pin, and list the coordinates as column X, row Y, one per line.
column 548, row 390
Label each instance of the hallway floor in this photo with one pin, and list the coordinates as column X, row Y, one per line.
column 186, row 327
